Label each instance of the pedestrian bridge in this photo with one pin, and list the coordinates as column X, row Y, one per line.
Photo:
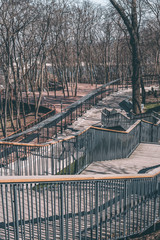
column 52, row 191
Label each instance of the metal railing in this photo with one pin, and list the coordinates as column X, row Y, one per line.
column 49, row 128
column 116, row 119
column 31, row 124
column 79, row 207
column 109, row 119
column 72, row 155
column 148, row 80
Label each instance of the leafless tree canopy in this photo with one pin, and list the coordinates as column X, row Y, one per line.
column 53, row 43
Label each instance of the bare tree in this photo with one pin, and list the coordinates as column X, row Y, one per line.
column 131, row 23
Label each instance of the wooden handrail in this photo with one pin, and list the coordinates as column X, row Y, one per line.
column 61, row 178
column 66, row 139
column 118, row 131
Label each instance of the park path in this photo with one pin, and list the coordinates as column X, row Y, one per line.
column 93, row 115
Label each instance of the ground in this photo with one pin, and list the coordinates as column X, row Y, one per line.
column 49, row 101
column 60, row 100
column 152, row 100
column 29, row 118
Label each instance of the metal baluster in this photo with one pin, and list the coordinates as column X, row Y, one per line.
column 16, row 211
column 96, row 207
column 62, row 214
column 79, row 207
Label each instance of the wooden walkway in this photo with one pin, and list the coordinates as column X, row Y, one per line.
column 143, row 160
column 40, row 212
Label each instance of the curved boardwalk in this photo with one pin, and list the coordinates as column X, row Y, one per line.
column 86, row 208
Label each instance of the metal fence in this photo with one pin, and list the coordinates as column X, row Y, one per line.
column 148, row 81
column 78, row 208
column 50, row 127
column 109, row 119
column 72, row 155
column 31, row 124
column 109, row 145
column 68, row 156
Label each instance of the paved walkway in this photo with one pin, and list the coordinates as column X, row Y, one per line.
column 93, row 116
column 144, row 159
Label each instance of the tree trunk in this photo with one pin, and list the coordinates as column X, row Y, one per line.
column 1, row 116
column 10, row 108
column 143, row 92
column 135, row 77
column 132, row 27
column 5, row 108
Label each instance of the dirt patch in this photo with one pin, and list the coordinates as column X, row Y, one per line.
column 29, row 118
column 59, row 103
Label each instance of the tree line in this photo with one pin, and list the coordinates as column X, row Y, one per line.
column 52, row 42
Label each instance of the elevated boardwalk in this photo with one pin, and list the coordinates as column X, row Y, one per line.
column 144, row 159
column 114, row 199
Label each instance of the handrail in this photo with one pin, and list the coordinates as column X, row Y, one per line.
column 60, row 178
column 58, row 117
column 75, row 206
column 65, row 139
column 83, row 152
column 118, row 131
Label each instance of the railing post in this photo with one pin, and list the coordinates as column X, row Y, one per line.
column 16, row 210
column 52, row 160
column 140, row 130
column 65, row 122
column 152, row 133
column 77, row 160
column 55, row 129
column 155, row 200
column 18, row 162
column 38, row 135
column 71, row 116
column 47, row 132
column 62, row 223
column 61, row 125
column 96, row 207
column 125, row 209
